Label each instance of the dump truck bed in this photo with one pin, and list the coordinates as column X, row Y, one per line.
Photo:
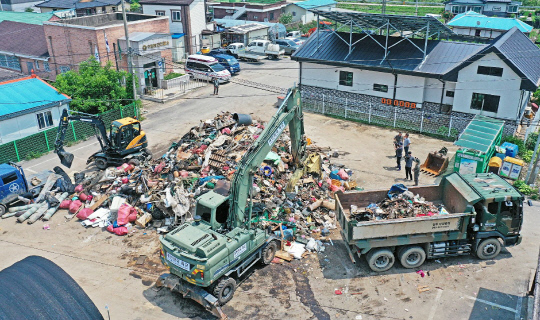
column 447, row 194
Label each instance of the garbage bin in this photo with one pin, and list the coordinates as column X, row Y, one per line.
column 495, row 164
column 511, row 168
column 511, row 149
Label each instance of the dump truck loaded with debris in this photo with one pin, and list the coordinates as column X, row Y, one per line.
column 474, row 213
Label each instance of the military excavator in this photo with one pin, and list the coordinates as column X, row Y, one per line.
column 207, row 257
column 126, row 141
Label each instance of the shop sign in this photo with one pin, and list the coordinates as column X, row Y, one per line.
column 399, row 103
column 155, row 45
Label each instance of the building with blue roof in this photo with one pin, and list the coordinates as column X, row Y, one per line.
column 478, row 25
column 300, row 10
column 27, row 106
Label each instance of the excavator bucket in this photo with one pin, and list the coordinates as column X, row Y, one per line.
column 66, row 158
column 435, row 164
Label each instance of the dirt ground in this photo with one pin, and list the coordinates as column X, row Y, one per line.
column 118, row 273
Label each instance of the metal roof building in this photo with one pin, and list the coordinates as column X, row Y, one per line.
column 478, row 25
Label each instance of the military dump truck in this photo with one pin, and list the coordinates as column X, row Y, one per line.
column 208, row 256
column 482, row 213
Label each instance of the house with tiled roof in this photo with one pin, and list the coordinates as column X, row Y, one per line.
column 498, row 8
column 83, row 7
column 299, row 10
column 24, row 48
column 27, row 106
column 478, row 25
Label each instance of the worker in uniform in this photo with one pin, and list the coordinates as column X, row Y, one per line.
column 416, row 171
column 215, row 81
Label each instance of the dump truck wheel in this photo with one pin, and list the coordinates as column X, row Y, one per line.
column 101, row 163
column 412, row 257
column 488, row 248
column 269, row 252
column 2, row 209
column 224, row 290
column 380, row 260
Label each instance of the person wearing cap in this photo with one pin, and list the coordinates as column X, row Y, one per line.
column 408, row 165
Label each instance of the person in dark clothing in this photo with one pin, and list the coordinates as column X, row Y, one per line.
column 399, row 154
column 398, row 139
column 406, row 143
column 408, row 165
column 215, row 81
column 416, row 171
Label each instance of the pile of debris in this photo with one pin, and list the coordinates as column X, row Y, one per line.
column 397, row 206
column 161, row 193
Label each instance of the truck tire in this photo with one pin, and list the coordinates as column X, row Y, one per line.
column 101, row 163
column 2, row 209
column 411, row 257
column 488, row 248
column 269, row 252
column 380, row 260
column 224, row 290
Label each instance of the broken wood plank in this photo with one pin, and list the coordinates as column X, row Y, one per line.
column 284, row 255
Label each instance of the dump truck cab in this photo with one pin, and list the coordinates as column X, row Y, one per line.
column 12, row 184
column 499, row 208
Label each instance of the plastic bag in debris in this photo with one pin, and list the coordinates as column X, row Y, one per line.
column 74, row 206
column 320, row 246
column 120, row 231
column 297, row 250
column 288, row 234
column 65, row 185
column 84, row 213
column 79, row 177
column 274, row 157
column 203, row 180
column 408, row 195
column 396, row 189
column 311, row 244
column 126, row 214
column 65, row 204
column 334, row 175
column 51, row 200
column 343, row 175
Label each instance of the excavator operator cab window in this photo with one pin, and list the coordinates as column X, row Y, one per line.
column 204, row 212
column 222, row 212
column 114, row 134
column 136, row 129
column 125, row 137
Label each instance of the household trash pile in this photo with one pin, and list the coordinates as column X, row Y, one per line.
column 161, row 193
column 400, row 203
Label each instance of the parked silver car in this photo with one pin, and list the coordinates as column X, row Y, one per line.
column 288, row 45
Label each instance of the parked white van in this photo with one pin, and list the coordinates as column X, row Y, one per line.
column 203, row 67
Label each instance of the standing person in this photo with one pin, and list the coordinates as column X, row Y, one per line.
column 416, row 171
column 216, row 85
column 398, row 139
column 408, row 165
column 406, row 143
column 399, row 154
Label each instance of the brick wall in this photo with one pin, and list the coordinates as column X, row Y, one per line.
column 40, row 71
column 69, row 46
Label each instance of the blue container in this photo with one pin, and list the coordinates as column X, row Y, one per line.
column 500, row 155
column 511, row 149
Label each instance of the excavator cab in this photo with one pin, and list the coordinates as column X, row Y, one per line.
column 126, row 134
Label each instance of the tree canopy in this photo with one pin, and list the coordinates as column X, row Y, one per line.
column 95, row 89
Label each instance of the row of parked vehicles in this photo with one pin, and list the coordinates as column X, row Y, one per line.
column 222, row 63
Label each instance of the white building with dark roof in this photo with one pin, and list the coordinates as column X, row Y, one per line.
column 434, row 76
column 499, row 8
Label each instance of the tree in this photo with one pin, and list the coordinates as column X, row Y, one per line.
column 285, row 18
column 447, row 16
column 134, row 7
column 95, row 89
column 29, row 9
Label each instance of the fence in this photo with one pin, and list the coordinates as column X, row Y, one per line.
column 35, row 145
column 442, row 125
column 174, row 88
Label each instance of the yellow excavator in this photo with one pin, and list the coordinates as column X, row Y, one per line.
column 125, row 142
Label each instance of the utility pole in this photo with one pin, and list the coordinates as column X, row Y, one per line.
column 532, row 172
column 129, row 52
column 416, row 10
column 383, row 9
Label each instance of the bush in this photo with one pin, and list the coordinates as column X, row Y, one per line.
column 285, row 18
column 443, row 131
column 527, row 156
column 172, row 75
column 525, row 188
column 531, row 141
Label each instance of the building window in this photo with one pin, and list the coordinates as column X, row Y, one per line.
column 477, row 32
column 476, row 9
column 345, row 78
column 160, row 13
column 36, row 62
column 10, row 62
column 46, row 66
column 64, row 69
column 449, row 93
column 44, row 119
column 380, row 87
column 458, row 9
column 29, row 67
column 175, row 15
column 490, row 71
column 255, row 17
column 485, row 102
column 271, row 16
column 113, row 9
column 512, row 9
column 294, row 13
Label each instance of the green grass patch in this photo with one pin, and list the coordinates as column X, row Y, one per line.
column 398, row 10
column 172, row 75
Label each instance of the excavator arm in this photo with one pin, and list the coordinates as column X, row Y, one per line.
column 66, row 158
column 289, row 113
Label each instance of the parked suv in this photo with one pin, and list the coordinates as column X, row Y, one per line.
column 286, row 44
column 229, row 62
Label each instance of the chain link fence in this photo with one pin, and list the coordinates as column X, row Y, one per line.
column 36, row 145
column 441, row 125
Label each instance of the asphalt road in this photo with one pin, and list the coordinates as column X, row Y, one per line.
column 104, row 264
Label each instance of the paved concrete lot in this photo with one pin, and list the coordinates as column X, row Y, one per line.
column 104, row 264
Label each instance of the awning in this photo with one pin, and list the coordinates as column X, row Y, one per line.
column 178, row 35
